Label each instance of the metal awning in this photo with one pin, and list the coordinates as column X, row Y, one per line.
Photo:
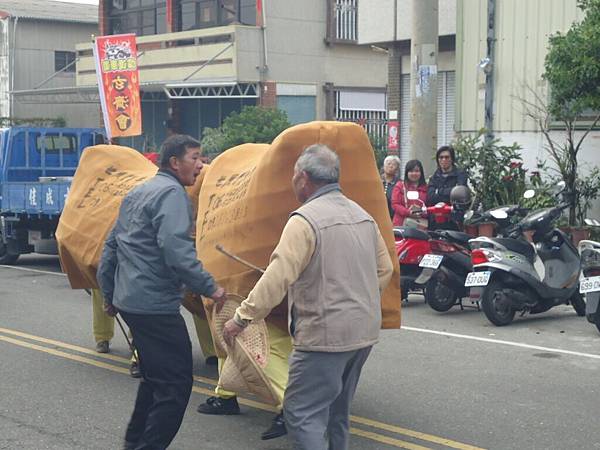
column 212, row 89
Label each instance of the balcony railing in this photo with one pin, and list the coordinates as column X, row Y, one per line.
column 342, row 21
column 186, row 56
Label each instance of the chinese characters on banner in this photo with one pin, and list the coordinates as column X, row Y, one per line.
column 119, row 84
column 393, row 135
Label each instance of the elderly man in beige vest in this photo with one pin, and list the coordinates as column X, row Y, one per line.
column 333, row 264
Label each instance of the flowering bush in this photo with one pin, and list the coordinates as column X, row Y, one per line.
column 495, row 171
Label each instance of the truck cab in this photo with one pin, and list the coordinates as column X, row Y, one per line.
column 36, row 169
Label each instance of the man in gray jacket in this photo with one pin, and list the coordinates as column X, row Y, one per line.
column 148, row 257
column 333, row 264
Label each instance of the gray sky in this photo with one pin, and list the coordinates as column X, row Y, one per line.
column 89, row 2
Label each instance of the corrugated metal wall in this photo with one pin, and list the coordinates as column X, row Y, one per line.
column 522, row 31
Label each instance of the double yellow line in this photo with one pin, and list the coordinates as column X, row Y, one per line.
column 106, row 361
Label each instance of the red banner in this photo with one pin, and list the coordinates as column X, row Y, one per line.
column 119, row 84
column 393, row 135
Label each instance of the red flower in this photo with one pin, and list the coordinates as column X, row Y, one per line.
column 515, row 165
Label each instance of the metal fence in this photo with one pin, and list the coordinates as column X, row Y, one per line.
column 345, row 12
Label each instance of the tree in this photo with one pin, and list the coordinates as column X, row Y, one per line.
column 254, row 124
column 572, row 69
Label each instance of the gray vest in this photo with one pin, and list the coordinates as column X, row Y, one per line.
column 335, row 304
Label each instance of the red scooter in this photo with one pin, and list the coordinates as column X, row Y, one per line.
column 412, row 244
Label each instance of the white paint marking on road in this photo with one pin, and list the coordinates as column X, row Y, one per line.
column 25, row 269
column 501, row 342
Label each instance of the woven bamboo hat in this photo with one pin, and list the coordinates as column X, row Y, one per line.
column 243, row 370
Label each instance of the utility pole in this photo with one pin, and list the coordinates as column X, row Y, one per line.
column 423, row 82
column 488, row 68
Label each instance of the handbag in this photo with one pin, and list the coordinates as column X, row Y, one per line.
column 410, row 222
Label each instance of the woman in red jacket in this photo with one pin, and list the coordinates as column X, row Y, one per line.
column 414, row 180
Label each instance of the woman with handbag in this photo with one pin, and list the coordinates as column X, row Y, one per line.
column 406, row 211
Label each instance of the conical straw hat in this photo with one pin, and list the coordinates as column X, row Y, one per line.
column 250, row 353
column 219, row 319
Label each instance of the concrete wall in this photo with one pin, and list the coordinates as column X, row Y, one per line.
column 75, row 114
column 376, row 20
column 36, row 42
column 297, row 52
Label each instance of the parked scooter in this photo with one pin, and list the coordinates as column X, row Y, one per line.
column 589, row 283
column 412, row 243
column 445, row 287
column 510, row 274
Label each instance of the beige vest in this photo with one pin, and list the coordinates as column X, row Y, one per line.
column 335, row 304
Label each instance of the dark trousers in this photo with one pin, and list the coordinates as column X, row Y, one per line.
column 165, row 353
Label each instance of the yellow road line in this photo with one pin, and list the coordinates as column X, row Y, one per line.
column 414, row 434
column 65, row 355
column 248, row 402
column 386, row 439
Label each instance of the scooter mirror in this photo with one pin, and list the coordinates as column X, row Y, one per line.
column 529, row 193
column 412, row 195
column 499, row 214
column 469, row 214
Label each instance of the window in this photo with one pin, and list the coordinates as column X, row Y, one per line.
column 62, row 60
column 55, row 143
column 342, row 24
column 367, row 108
column 195, row 14
column 142, row 17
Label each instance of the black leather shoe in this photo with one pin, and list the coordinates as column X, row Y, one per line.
column 220, row 406
column 277, row 428
column 134, row 370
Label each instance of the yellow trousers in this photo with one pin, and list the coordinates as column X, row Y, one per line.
column 103, row 324
column 280, row 347
column 204, row 336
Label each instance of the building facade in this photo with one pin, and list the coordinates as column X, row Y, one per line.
column 387, row 24
column 37, row 60
column 200, row 60
column 522, row 30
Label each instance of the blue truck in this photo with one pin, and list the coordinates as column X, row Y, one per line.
column 36, row 169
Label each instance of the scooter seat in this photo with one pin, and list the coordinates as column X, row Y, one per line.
column 410, row 233
column 518, row 246
column 456, row 236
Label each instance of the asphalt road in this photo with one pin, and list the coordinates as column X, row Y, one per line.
column 448, row 380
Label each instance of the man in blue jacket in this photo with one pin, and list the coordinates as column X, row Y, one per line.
column 148, row 257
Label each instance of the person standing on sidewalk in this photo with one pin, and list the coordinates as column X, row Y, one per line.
column 333, row 264
column 148, row 257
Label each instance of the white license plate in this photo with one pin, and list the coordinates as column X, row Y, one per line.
column 431, row 261
column 478, row 279
column 591, row 284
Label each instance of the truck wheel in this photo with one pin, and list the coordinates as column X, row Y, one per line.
column 578, row 303
column 5, row 257
column 439, row 296
column 496, row 306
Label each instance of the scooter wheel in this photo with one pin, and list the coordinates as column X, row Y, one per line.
column 439, row 296
column 496, row 306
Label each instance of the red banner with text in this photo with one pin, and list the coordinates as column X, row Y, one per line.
column 119, row 84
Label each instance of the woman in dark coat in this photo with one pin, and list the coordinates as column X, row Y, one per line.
column 442, row 181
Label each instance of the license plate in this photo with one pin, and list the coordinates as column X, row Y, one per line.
column 34, row 236
column 478, row 279
column 591, row 284
column 431, row 261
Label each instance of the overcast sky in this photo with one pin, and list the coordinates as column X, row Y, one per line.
column 89, row 2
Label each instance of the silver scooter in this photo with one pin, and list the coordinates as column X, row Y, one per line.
column 511, row 274
column 589, row 283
